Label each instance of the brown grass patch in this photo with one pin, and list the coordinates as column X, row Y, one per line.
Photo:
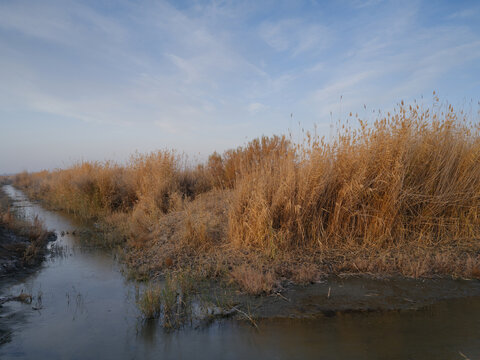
column 253, row 280
column 306, row 273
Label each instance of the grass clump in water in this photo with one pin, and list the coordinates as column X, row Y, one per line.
column 170, row 301
column 150, row 301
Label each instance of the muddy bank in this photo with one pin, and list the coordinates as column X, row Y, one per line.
column 336, row 295
column 22, row 243
column 331, row 297
column 14, row 251
column 12, row 248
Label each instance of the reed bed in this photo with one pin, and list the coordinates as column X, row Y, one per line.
column 400, row 195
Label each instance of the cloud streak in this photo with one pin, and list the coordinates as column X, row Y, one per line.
column 210, row 67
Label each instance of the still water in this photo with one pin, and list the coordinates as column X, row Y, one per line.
column 84, row 308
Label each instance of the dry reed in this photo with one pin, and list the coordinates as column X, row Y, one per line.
column 399, row 195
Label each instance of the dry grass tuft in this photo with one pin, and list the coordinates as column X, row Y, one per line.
column 473, row 267
column 150, row 301
column 306, row 273
column 252, row 280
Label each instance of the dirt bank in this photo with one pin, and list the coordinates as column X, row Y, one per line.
column 338, row 295
column 22, row 243
column 18, row 252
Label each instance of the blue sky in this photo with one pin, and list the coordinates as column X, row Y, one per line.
column 97, row 80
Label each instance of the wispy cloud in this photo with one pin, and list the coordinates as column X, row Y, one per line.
column 233, row 69
column 396, row 57
column 467, row 13
column 295, row 36
column 256, row 107
column 183, row 65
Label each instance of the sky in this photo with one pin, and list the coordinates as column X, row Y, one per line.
column 101, row 79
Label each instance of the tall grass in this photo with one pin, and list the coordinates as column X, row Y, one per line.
column 411, row 177
column 400, row 194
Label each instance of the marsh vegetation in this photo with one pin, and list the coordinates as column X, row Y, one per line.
column 400, row 195
column 192, row 268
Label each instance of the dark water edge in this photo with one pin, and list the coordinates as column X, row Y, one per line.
column 87, row 310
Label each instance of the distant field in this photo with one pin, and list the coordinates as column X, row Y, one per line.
column 401, row 195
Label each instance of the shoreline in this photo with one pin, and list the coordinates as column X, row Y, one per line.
column 363, row 293
column 22, row 244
